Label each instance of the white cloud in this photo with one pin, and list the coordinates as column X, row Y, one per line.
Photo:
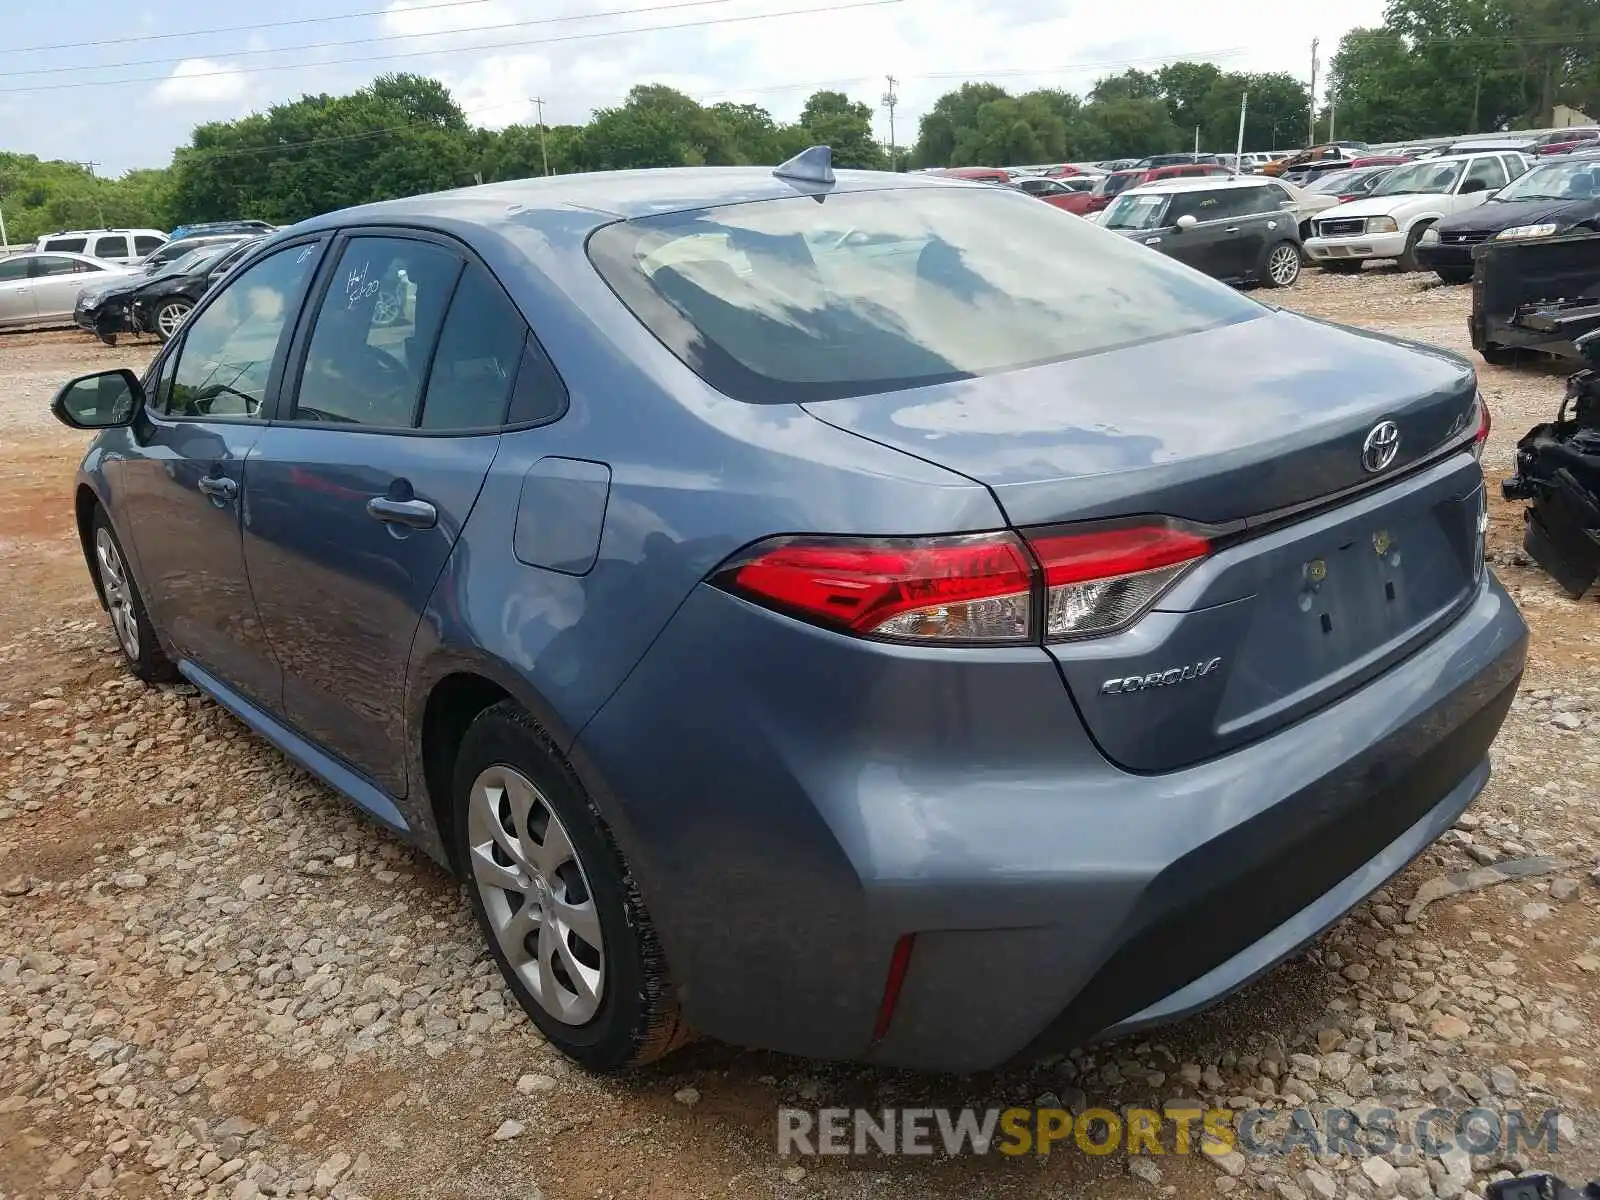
column 201, row 81
column 496, row 54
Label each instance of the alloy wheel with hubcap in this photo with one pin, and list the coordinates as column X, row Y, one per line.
column 119, row 596
column 536, row 895
column 1283, row 264
column 170, row 316
column 561, row 913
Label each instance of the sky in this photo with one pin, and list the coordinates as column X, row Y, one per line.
column 137, row 77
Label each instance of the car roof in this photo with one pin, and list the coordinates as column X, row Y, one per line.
column 95, row 232
column 1204, row 183
column 613, row 195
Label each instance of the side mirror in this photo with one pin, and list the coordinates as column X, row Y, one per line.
column 1185, row 222
column 1473, row 186
column 104, row 400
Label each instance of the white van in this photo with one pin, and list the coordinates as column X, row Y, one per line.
column 110, row 245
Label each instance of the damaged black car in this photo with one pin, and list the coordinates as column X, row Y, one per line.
column 156, row 303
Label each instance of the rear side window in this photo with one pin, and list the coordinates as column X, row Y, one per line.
column 111, row 247
column 71, row 245
column 145, row 244
column 476, row 363
column 787, row 300
column 374, row 333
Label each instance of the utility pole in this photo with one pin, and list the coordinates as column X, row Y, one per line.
column 538, row 103
column 1311, row 132
column 1333, row 110
column 1238, row 150
column 889, row 101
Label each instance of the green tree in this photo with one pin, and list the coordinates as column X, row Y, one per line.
column 1124, row 128
column 1188, row 87
column 941, row 125
column 832, row 119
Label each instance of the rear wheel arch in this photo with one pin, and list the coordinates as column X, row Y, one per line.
column 452, row 704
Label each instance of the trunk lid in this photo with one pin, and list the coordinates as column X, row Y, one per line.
column 1256, row 427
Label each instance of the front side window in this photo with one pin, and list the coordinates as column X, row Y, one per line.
column 145, row 244
column 13, row 270
column 374, row 332
column 226, row 359
column 786, row 300
column 111, row 247
column 1486, row 172
column 1202, row 206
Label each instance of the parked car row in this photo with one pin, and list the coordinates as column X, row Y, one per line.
column 45, row 285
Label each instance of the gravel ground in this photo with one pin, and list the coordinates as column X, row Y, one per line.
column 215, row 980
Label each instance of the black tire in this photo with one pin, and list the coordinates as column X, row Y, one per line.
column 1264, row 272
column 1501, row 356
column 1342, row 266
column 638, row 1019
column 147, row 660
column 1408, row 257
column 167, row 316
column 1454, row 274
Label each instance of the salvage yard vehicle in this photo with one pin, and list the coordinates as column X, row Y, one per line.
column 155, row 303
column 764, row 588
column 1391, row 221
column 41, row 289
column 1237, row 229
column 1553, row 198
column 108, row 245
column 1535, row 294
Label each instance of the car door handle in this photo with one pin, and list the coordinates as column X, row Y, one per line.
column 219, row 487
column 1231, row 229
column 415, row 514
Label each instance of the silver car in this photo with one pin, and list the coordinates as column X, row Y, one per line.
column 42, row 288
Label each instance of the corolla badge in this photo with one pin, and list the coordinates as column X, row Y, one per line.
column 1124, row 684
column 1382, row 444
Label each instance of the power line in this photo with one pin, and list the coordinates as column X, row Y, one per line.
column 439, row 52
column 392, row 37
column 186, row 33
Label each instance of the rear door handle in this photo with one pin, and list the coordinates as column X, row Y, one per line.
column 1231, row 229
column 219, row 487
column 415, row 514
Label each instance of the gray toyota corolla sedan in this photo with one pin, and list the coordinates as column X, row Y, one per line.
column 868, row 616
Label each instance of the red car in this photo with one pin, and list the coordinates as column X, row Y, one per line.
column 1114, row 184
column 1565, row 141
column 1377, row 160
column 981, row 174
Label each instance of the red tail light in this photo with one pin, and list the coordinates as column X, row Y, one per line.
column 958, row 589
column 980, row 589
column 1484, row 421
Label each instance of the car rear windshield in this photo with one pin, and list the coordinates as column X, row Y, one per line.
column 796, row 299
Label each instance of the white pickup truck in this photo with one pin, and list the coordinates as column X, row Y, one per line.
column 1390, row 222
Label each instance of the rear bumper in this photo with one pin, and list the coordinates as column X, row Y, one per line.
column 1362, row 246
column 793, row 802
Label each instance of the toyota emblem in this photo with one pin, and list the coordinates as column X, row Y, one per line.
column 1382, row 444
